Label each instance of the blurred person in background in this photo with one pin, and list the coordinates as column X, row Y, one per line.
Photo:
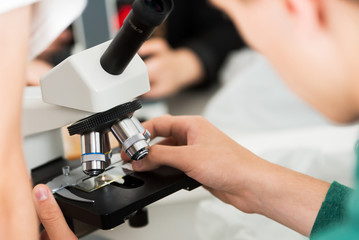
column 189, row 49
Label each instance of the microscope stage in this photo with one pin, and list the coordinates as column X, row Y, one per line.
column 115, row 202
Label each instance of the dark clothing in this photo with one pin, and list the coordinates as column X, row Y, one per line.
column 201, row 27
column 205, row 30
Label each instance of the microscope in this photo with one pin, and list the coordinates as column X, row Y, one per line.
column 96, row 91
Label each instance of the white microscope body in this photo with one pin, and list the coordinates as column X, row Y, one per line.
column 102, row 79
column 76, row 88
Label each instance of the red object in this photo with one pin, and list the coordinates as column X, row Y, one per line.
column 121, row 15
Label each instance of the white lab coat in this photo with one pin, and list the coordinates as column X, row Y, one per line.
column 50, row 18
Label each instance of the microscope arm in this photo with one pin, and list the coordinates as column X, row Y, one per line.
column 39, row 116
column 41, row 128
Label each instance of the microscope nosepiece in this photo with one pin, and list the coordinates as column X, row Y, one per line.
column 94, row 130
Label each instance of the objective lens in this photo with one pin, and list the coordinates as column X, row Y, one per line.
column 131, row 139
column 106, row 148
column 92, row 158
column 155, row 4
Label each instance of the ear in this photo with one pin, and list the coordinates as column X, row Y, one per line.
column 308, row 15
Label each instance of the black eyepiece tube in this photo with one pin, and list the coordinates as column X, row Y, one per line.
column 138, row 26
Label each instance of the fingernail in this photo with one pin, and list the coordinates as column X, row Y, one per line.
column 41, row 194
column 137, row 164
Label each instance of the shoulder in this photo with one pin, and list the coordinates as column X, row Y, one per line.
column 6, row 6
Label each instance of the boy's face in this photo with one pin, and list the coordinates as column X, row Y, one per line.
column 311, row 45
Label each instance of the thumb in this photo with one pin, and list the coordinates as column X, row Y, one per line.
column 50, row 214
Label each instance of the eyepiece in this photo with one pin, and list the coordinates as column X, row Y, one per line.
column 139, row 25
column 152, row 13
column 156, row 5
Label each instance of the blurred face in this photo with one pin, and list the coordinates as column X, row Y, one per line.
column 313, row 44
